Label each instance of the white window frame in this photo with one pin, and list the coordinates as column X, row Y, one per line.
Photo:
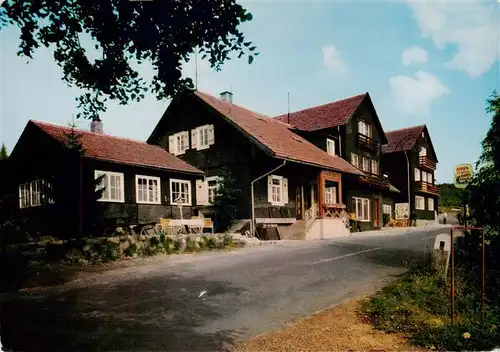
column 106, row 195
column 419, row 206
column 355, row 159
column 367, row 166
column 331, row 195
column 430, row 204
column 423, row 151
column 330, row 146
column 365, row 128
column 364, row 216
column 212, row 189
column 429, row 177
column 24, row 195
column 149, row 191
column 36, row 193
column 417, row 174
column 387, row 209
column 200, row 134
column 277, row 198
column 374, row 167
column 180, row 182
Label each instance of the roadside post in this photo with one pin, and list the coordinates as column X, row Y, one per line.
column 483, row 269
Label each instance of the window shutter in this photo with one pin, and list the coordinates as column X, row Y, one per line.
column 201, row 192
column 171, row 145
column 194, row 139
column 185, row 135
column 285, row 190
column 269, row 189
column 211, row 135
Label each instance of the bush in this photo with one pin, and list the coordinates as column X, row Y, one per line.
column 385, row 219
column 130, row 251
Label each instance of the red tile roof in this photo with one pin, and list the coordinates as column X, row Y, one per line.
column 120, row 150
column 329, row 115
column 402, row 140
column 277, row 136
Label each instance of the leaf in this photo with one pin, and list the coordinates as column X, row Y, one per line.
column 250, row 59
column 252, row 48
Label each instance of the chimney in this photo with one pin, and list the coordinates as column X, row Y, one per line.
column 227, row 97
column 96, row 125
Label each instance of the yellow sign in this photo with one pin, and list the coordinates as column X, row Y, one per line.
column 462, row 175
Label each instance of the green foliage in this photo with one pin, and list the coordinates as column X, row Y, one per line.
column 418, row 304
column 451, row 197
column 210, row 242
column 73, row 140
column 386, row 218
column 3, row 153
column 131, row 250
column 225, row 201
column 124, row 32
column 484, row 190
column 190, row 244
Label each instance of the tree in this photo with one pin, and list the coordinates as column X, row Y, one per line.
column 124, row 32
column 3, row 153
column 224, row 206
column 484, row 189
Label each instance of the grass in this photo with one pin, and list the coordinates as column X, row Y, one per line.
column 418, row 304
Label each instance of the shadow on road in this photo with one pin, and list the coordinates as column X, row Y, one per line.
column 157, row 314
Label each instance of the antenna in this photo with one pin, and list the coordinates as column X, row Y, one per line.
column 288, row 108
column 196, row 69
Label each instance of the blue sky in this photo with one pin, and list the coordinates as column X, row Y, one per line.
column 432, row 63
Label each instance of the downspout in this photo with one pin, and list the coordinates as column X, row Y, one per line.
column 340, row 142
column 408, row 170
column 252, row 222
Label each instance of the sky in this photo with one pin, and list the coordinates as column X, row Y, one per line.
column 432, row 63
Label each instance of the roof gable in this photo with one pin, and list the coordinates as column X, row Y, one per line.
column 332, row 114
column 119, row 150
column 275, row 137
column 405, row 139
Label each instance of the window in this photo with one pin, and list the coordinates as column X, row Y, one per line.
column 202, row 137
column 387, row 209
column 24, row 195
column 364, row 128
column 355, row 159
column 429, row 177
column 35, row 189
column 178, row 143
column 366, row 164
column 424, row 176
column 180, row 191
column 423, row 151
column 417, row 174
column 361, row 208
column 48, row 192
column 111, row 185
column 330, row 146
column 419, row 203
column 213, row 184
column 331, row 195
column 147, row 189
column 277, row 190
column 430, row 204
column 374, row 167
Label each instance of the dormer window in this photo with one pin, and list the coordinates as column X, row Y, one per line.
column 365, row 129
column 330, row 146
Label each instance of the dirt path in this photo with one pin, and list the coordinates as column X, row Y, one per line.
column 335, row 329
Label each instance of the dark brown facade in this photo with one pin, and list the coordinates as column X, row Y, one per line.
column 412, row 171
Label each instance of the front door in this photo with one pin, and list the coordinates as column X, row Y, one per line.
column 376, row 213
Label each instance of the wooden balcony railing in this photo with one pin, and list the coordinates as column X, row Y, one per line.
column 426, row 163
column 375, row 179
column 426, row 187
column 367, row 142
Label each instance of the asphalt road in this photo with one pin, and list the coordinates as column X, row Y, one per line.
column 206, row 302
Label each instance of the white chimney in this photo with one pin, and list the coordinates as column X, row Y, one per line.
column 96, row 125
column 227, row 97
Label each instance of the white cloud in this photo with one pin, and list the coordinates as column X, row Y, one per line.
column 414, row 55
column 331, row 58
column 414, row 96
column 472, row 27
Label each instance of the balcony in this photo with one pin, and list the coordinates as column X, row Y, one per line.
column 375, row 179
column 424, row 162
column 421, row 186
column 367, row 142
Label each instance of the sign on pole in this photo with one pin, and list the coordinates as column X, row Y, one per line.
column 462, row 175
